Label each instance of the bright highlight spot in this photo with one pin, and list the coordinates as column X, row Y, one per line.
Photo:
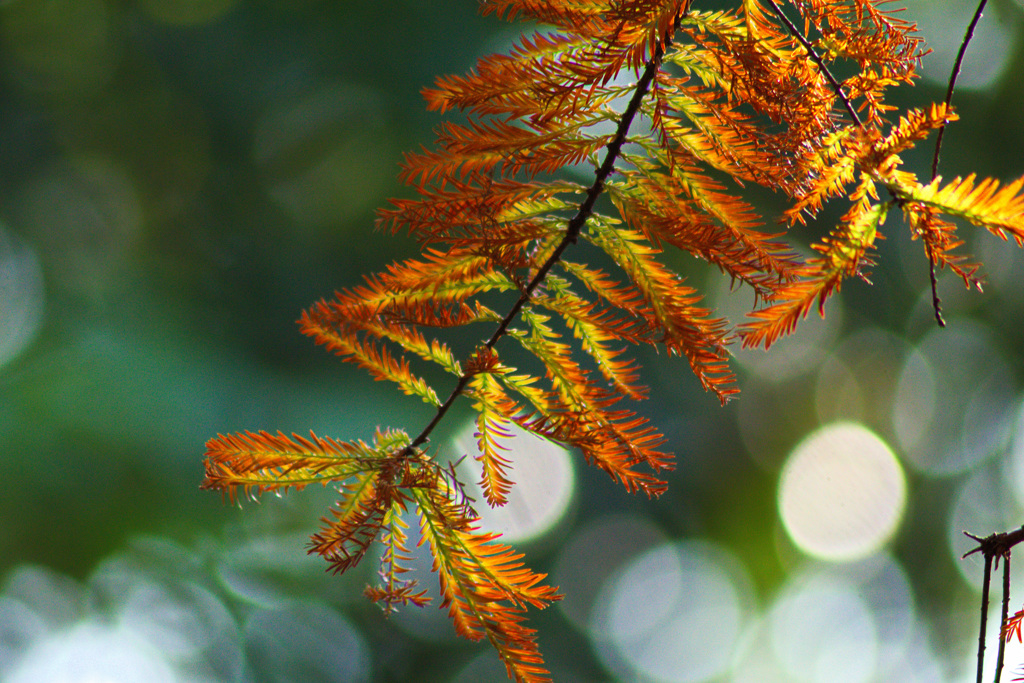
column 594, row 554
column 544, row 484
column 93, row 652
column 21, row 290
column 834, row 623
column 944, row 23
column 954, row 401
column 842, row 493
column 673, row 615
column 822, row 630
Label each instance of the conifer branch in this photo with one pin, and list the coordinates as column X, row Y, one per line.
column 954, row 74
column 816, row 58
column 575, row 225
column 486, row 198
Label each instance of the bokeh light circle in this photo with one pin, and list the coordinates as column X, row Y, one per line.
column 822, row 630
column 944, row 24
column 674, row 614
column 83, row 215
column 859, row 379
column 955, row 400
column 593, row 554
column 94, row 652
column 828, row 623
column 21, row 290
column 842, row 493
column 1015, row 459
column 543, row 489
column 61, row 47
column 306, row 637
column 982, row 504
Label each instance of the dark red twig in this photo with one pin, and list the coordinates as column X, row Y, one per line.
column 1002, row 620
column 994, row 547
column 984, row 617
column 968, row 36
column 575, row 225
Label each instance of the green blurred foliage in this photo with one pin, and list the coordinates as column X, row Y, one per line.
column 188, row 176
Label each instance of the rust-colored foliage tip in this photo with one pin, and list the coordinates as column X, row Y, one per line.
column 728, row 98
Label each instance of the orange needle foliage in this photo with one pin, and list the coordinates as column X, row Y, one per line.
column 677, row 109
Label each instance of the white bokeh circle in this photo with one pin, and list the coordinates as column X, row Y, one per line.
column 842, row 493
column 544, row 482
column 674, row 614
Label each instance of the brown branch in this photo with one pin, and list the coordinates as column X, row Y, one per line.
column 816, row 58
column 575, row 225
column 999, row 544
column 984, row 617
column 933, row 278
column 968, row 35
column 1002, row 620
column 994, row 547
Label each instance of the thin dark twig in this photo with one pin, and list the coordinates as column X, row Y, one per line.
column 836, row 85
column 936, row 301
column 1002, row 620
column 933, row 278
column 994, row 546
column 575, row 225
column 984, row 616
column 968, row 36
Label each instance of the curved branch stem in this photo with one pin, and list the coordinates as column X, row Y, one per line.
column 1002, row 620
column 968, row 35
column 575, row 225
column 816, row 58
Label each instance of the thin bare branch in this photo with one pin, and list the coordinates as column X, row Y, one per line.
column 936, row 302
column 575, row 224
column 1002, row 619
column 836, row 85
column 984, row 617
column 933, row 278
column 968, row 36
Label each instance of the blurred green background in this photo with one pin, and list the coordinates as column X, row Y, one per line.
column 181, row 178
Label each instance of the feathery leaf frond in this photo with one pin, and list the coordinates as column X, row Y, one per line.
column 483, row 583
column 678, row 111
column 255, row 463
column 999, row 210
